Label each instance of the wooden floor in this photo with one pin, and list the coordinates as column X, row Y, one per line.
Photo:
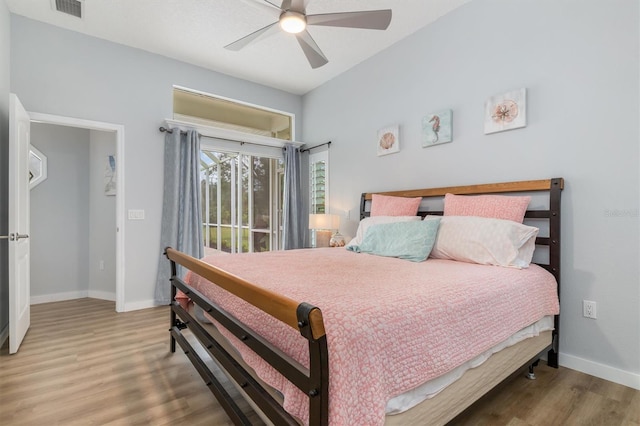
column 83, row 364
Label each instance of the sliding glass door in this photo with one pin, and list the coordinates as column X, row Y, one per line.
column 241, row 201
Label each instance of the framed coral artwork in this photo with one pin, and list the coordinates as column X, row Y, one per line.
column 388, row 140
column 506, row 111
column 436, row 128
column 110, row 175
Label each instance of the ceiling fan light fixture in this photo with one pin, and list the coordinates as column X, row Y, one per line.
column 293, row 22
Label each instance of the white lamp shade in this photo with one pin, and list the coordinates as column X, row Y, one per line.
column 324, row 221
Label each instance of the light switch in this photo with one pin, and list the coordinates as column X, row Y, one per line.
column 136, row 214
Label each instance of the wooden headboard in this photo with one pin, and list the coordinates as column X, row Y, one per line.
column 553, row 187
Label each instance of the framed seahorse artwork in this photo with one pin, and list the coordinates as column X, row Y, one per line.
column 505, row 111
column 436, row 128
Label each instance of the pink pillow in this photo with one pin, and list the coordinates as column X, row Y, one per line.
column 386, row 205
column 492, row 206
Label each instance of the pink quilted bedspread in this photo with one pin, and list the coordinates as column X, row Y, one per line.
column 391, row 324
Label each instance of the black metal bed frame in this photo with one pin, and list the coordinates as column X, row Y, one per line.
column 554, row 189
column 313, row 381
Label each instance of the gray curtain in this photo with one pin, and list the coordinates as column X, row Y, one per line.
column 293, row 230
column 181, row 221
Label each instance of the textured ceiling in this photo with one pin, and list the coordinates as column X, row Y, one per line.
column 196, row 31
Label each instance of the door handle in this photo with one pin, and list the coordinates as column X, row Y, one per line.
column 14, row 237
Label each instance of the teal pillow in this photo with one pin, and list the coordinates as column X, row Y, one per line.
column 405, row 240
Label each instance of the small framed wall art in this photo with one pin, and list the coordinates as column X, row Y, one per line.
column 506, row 111
column 110, row 175
column 388, row 140
column 436, row 128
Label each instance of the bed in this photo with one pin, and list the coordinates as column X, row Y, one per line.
column 286, row 332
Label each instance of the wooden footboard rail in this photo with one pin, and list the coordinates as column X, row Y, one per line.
column 313, row 381
column 553, row 187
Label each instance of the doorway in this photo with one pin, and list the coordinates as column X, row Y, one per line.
column 99, row 133
column 241, row 201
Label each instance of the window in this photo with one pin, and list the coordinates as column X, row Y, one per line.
column 201, row 108
column 241, row 183
column 318, row 185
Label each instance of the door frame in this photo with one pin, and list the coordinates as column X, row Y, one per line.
column 118, row 129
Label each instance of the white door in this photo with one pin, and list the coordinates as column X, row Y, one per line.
column 19, row 261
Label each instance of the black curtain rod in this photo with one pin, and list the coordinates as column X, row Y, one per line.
column 164, row 129
column 182, row 132
column 316, row 146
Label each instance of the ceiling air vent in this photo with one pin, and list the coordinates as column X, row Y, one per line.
column 70, row 7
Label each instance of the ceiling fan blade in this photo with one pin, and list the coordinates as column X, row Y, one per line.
column 369, row 19
column 273, row 4
column 254, row 36
column 266, row 5
column 311, row 49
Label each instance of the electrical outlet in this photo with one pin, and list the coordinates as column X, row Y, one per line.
column 589, row 309
column 136, row 214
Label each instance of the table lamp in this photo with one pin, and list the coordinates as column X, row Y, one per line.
column 324, row 225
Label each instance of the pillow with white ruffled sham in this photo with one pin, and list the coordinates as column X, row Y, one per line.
column 375, row 220
column 485, row 241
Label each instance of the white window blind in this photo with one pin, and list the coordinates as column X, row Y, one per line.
column 318, row 182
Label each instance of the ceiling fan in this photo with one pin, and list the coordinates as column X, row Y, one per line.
column 294, row 20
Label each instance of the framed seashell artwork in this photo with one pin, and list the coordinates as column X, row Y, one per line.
column 506, row 111
column 388, row 140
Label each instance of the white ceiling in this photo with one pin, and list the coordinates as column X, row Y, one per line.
column 196, row 31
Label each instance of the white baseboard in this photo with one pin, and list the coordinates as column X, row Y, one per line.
column 602, row 371
column 59, row 297
column 142, row 304
column 102, row 295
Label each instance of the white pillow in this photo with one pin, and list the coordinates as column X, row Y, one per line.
column 374, row 220
column 486, row 241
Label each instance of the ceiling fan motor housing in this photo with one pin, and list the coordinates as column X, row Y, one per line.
column 293, row 22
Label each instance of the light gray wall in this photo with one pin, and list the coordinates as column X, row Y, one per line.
column 102, row 219
column 4, row 165
column 60, row 72
column 60, row 214
column 579, row 62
